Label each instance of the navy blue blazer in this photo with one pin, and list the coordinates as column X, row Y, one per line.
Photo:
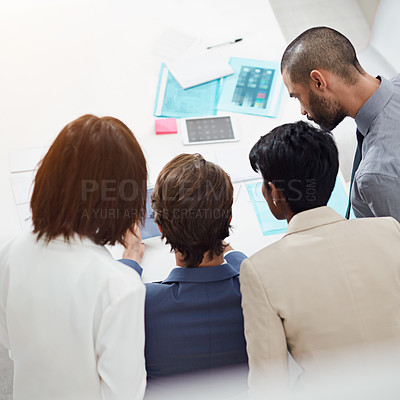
column 194, row 319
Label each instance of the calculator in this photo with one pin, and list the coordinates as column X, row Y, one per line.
column 205, row 130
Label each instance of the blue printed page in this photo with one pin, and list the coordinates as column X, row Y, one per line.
column 256, row 88
column 268, row 223
column 271, row 226
column 173, row 101
column 150, row 228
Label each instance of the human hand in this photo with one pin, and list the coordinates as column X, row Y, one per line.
column 134, row 248
column 228, row 247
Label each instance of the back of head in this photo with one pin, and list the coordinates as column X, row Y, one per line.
column 92, row 182
column 301, row 161
column 321, row 48
column 192, row 201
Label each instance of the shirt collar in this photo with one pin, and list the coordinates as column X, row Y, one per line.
column 202, row 274
column 374, row 105
column 225, row 262
column 312, row 218
column 75, row 240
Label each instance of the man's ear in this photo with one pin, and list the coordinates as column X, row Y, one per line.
column 318, row 80
column 159, row 228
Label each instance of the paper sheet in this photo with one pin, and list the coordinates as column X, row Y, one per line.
column 22, row 185
column 26, row 159
column 173, row 101
column 173, row 44
column 25, row 217
column 236, row 163
column 198, row 69
column 23, row 166
column 255, row 88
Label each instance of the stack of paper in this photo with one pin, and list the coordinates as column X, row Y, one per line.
column 236, row 164
column 201, row 68
column 188, row 60
column 26, row 159
column 23, row 166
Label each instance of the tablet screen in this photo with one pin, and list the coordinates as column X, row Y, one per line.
column 150, row 228
column 209, row 129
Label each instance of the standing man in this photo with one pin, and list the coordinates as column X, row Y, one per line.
column 320, row 69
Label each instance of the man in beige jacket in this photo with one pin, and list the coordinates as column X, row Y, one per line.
column 330, row 288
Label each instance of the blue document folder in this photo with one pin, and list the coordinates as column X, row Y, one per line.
column 173, row 101
column 270, row 225
column 256, row 88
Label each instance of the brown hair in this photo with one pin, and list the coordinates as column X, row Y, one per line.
column 192, row 201
column 91, row 182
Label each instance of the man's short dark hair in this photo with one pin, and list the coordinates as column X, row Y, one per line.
column 321, row 48
column 192, row 200
column 301, row 161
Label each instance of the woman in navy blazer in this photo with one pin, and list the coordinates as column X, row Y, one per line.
column 193, row 318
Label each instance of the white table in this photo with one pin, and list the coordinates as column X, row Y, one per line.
column 67, row 58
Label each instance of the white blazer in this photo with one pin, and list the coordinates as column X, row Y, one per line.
column 73, row 320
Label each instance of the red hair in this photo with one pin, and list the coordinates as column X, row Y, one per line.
column 92, row 182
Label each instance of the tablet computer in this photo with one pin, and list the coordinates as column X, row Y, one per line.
column 150, row 228
column 204, row 130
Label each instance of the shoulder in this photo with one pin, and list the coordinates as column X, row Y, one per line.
column 159, row 287
column 271, row 251
column 377, row 235
column 235, row 258
column 396, row 80
column 287, row 252
column 372, row 176
column 110, row 282
column 17, row 245
column 270, row 258
column 86, row 261
column 158, row 292
column 116, row 276
column 5, row 248
column 387, row 115
column 396, row 89
column 23, row 239
column 366, row 225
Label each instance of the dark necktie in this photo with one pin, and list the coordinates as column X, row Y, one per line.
column 356, row 163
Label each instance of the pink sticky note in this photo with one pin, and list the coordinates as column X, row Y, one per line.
column 165, row 126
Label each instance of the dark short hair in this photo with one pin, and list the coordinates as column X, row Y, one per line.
column 192, row 201
column 301, row 161
column 91, row 182
column 321, row 48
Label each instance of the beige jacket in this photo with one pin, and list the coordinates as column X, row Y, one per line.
column 328, row 286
